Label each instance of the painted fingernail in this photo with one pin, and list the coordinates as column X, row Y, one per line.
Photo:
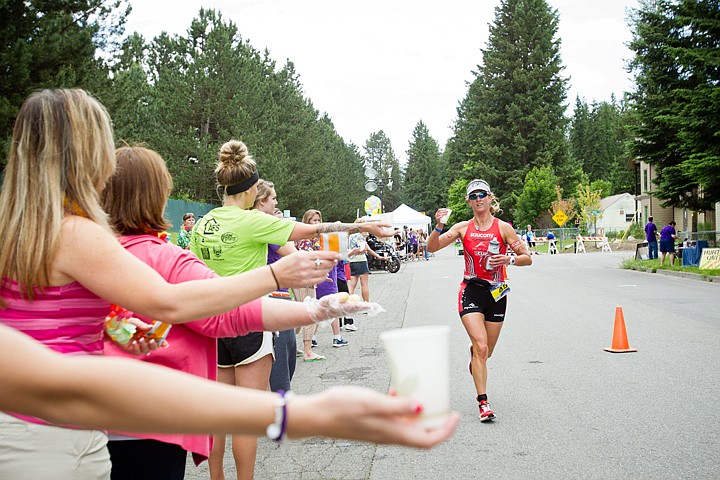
column 418, row 408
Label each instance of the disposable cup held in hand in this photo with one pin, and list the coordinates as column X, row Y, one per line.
column 446, row 217
column 420, row 369
column 335, row 242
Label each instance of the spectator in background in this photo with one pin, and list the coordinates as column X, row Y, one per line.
column 530, row 239
column 311, row 216
column 323, row 289
column 285, row 343
column 406, row 238
column 342, row 286
column 552, row 248
column 667, row 242
column 359, row 269
column 183, row 240
column 414, row 242
column 422, row 234
column 397, row 236
column 651, row 237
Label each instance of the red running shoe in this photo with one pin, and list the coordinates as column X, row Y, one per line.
column 486, row 414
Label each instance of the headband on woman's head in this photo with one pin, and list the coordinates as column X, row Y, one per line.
column 242, row 186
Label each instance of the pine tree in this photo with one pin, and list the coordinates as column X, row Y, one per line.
column 425, row 186
column 598, row 138
column 513, row 116
column 186, row 95
column 51, row 44
column 580, row 133
column 677, row 98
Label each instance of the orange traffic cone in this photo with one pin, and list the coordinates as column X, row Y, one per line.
column 620, row 339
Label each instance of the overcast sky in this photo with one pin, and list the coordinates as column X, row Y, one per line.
column 387, row 64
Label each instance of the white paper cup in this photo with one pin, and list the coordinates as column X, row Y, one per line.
column 446, row 217
column 420, row 369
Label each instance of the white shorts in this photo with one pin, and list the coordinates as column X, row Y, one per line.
column 32, row 451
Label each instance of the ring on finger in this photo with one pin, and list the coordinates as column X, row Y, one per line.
column 317, row 263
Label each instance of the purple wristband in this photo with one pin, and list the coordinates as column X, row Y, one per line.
column 276, row 430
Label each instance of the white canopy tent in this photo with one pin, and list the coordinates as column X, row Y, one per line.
column 406, row 216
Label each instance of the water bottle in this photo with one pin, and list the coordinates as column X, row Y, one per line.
column 493, row 249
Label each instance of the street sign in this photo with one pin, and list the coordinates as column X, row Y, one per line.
column 594, row 212
column 560, row 218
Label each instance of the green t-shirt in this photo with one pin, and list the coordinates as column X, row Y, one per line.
column 231, row 240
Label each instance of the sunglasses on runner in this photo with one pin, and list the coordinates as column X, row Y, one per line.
column 475, row 196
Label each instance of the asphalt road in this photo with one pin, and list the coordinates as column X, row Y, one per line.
column 566, row 408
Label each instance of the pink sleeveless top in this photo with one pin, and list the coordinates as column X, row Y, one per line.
column 475, row 246
column 69, row 319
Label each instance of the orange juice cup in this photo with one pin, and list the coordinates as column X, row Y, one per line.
column 335, row 242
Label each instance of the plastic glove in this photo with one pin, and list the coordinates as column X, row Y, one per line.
column 330, row 307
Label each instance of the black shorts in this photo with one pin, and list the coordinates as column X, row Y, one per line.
column 476, row 298
column 358, row 268
column 236, row 350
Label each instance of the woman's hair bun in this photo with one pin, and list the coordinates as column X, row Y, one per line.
column 234, row 152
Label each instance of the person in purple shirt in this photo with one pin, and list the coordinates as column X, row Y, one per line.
column 329, row 287
column 413, row 239
column 667, row 242
column 347, row 323
column 651, row 237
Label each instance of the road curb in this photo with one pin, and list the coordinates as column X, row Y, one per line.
column 688, row 275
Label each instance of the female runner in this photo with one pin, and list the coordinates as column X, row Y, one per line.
column 482, row 297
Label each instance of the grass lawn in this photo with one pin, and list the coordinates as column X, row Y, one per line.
column 654, row 265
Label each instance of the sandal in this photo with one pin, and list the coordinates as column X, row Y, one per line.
column 314, row 358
